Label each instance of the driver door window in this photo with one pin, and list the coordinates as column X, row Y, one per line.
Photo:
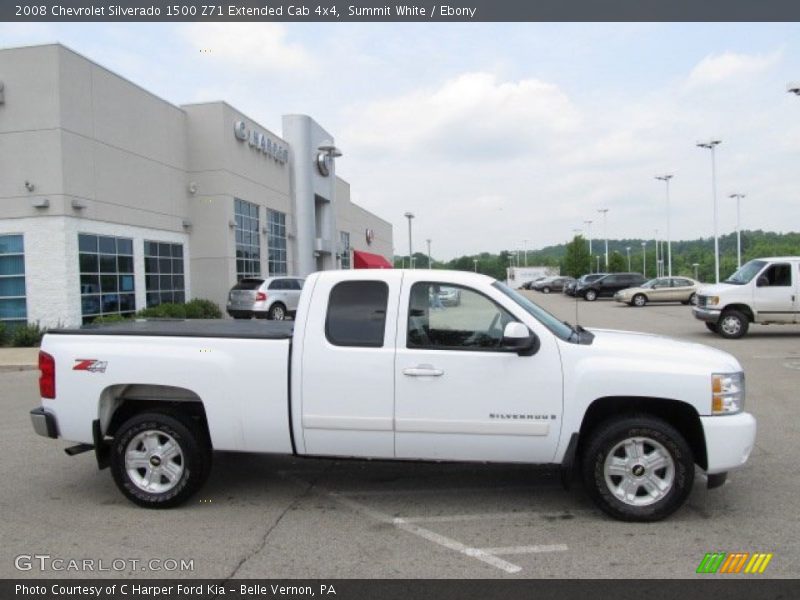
column 446, row 317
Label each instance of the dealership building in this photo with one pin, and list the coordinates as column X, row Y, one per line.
column 112, row 199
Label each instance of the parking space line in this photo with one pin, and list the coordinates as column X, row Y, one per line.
column 486, row 555
column 489, row 516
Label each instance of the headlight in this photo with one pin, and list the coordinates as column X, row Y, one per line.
column 727, row 393
column 712, row 301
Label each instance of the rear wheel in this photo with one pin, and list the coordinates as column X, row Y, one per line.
column 732, row 324
column 638, row 468
column 590, row 295
column 277, row 312
column 639, row 300
column 545, row 290
column 160, row 460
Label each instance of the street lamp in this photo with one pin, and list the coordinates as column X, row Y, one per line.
column 628, row 250
column 429, row 252
column 525, row 248
column 409, row 216
column 475, row 263
column 738, row 230
column 696, row 265
column 598, row 263
column 658, row 262
column 793, row 88
column 665, row 178
column 589, row 234
column 605, row 231
column 711, row 145
column 644, row 259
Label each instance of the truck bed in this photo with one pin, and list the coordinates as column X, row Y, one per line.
column 201, row 328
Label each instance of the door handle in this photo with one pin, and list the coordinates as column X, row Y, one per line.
column 423, row 371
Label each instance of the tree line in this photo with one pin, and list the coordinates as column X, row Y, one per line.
column 574, row 259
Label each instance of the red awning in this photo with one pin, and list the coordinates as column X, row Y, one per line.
column 367, row 260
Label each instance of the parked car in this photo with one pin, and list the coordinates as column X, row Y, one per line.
column 529, row 284
column 449, row 296
column 370, row 370
column 570, row 288
column 765, row 291
column 273, row 298
column 608, row 285
column 552, row 284
column 661, row 289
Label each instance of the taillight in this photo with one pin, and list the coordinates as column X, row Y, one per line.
column 260, row 296
column 47, row 376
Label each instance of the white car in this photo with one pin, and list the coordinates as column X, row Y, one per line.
column 661, row 289
column 371, row 370
column 765, row 291
column 272, row 298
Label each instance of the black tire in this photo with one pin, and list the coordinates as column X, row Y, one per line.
column 545, row 290
column 692, row 300
column 716, row 480
column 732, row 324
column 650, row 432
column 639, row 300
column 590, row 295
column 195, row 458
column 277, row 312
column 712, row 327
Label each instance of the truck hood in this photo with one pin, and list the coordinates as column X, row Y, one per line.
column 718, row 288
column 664, row 349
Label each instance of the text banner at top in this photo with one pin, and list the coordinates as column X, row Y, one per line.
column 410, row 11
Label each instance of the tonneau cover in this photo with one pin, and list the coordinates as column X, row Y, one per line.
column 205, row 328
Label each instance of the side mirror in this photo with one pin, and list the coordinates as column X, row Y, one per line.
column 518, row 338
column 762, row 282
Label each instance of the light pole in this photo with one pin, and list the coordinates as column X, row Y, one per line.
column 525, row 247
column 475, row 263
column 658, row 263
column 696, row 265
column 644, row 259
column 429, row 252
column 605, row 231
column 598, row 263
column 793, row 88
column 628, row 250
column 665, row 178
column 409, row 216
column 738, row 230
column 711, row 145
column 589, row 234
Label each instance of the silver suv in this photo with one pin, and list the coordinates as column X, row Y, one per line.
column 271, row 298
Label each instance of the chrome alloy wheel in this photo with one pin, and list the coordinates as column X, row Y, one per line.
column 730, row 324
column 639, row 471
column 154, row 461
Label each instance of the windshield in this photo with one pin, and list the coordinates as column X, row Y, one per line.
column 545, row 318
column 649, row 284
column 746, row 272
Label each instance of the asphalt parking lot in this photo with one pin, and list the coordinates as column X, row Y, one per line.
column 263, row 516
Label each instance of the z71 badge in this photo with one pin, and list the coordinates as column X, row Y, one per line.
column 90, row 364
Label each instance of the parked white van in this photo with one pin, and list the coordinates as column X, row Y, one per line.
column 763, row 291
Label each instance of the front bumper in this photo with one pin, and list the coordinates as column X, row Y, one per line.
column 44, row 423
column 621, row 298
column 709, row 315
column 729, row 441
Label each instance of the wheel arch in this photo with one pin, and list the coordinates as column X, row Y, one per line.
column 742, row 308
column 118, row 403
column 681, row 415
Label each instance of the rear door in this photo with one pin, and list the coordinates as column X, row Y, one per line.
column 776, row 293
column 347, row 369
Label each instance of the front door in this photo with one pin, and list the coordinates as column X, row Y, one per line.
column 776, row 293
column 459, row 396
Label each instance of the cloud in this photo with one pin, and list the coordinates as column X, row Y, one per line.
column 471, row 115
column 257, row 46
column 716, row 68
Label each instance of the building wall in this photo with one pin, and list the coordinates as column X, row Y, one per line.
column 105, row 156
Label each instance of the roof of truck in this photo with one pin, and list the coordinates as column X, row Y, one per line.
column 202, row 328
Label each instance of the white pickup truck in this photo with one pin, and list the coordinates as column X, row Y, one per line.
column 765, row 291
column 376, row 367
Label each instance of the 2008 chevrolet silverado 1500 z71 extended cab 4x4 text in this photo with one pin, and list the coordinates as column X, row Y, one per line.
column 377, row 368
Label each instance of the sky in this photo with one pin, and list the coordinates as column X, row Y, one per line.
column 502, row 135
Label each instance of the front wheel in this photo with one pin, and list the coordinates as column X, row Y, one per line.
column 159, row 460
column 590, row 295
column 638, row 468
column 732, row 325
column 639, row 300
column 545, row 290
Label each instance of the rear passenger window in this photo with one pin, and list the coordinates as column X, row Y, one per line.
column 357, row 313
